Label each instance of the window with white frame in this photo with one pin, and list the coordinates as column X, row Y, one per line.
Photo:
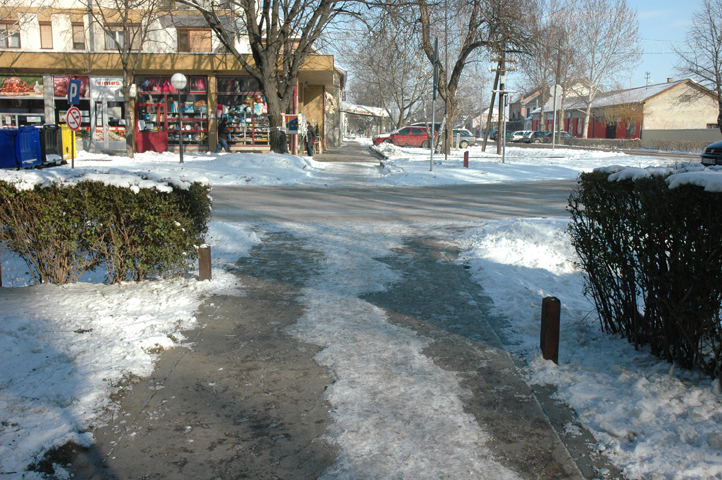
column 10, row 35
column 115, row 36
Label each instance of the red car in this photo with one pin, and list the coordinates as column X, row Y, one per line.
column 405, row 137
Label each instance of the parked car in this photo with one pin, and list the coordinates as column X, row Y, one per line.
column 381, row 138
column 437, row 125
column 518, row 136
column 466, row 139
column 405, row 137
column 560, row 136
column 534, row 137
column 712, row 154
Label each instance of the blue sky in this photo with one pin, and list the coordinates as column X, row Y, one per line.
column 661, row 22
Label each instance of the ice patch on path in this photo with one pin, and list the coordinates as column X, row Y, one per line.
column 395, row 413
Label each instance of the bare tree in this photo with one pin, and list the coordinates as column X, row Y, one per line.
column 494, row 25
column 383, row 58
column 607, row 44
column 701, row 57
column 127, row 26
column 281, row 35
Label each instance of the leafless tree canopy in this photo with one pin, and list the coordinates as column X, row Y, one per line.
column 701, row 56
column 492, row 26
column 382, row 55
column 606, row 37
column 551, row 58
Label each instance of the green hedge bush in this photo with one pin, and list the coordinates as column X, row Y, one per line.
column 652, row 261
column 62, row 231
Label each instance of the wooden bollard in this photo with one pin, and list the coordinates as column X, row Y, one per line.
column 549, row 339
column 204, row 262
column 466, row 159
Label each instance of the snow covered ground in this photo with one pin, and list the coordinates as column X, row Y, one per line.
column 66, row 349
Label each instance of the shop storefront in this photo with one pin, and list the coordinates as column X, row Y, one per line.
column 108, row 117
column 21, row 101
column 245, row 107
column 34, row 91
column 163, row 115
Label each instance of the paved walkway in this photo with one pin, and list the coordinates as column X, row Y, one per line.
column 349, row 152
column 246, row 398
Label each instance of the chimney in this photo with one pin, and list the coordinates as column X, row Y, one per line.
column 670, row 79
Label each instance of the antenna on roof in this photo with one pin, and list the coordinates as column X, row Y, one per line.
column 646, row 77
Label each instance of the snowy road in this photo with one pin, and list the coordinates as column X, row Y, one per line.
column 457, row 203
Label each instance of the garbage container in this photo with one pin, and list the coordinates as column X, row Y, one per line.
column 51, row 145
column 28, row 147
column 8, row 157
column 20, row 147
column 68, row 143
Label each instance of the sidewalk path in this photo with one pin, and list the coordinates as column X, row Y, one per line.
column 318, row 372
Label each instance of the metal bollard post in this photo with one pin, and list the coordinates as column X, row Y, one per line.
column 466, row 159
column 549, row 338
column 204, row 262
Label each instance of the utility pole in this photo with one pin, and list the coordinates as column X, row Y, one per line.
column 433, row 104
column 446, row 81
column 501, row 70
column 502, row 101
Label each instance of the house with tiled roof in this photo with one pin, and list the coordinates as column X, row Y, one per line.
column 679, row 110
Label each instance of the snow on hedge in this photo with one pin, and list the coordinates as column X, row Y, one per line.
column 29, row 179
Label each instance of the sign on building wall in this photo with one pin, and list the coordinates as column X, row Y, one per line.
column 22, row 87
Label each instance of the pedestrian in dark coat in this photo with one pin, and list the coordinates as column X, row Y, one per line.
column 310, row 139
column 223, row 136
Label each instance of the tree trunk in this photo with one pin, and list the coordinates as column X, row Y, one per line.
column 129, row 117
column 491, row 110
column 276, row 108
column 587, row 118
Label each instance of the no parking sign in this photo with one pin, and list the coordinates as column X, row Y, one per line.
column 72, row 118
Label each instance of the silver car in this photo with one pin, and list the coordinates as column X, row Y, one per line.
column 518, row 136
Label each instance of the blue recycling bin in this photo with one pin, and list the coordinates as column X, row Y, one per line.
column 20, row 147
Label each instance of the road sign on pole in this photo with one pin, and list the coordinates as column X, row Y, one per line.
column 72, row 118
column 74, row 92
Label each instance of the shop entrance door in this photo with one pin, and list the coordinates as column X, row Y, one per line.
column 152, row 128
column 109, row 125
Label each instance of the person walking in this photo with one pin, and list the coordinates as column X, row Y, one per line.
column 223, row 136
column 310, row 139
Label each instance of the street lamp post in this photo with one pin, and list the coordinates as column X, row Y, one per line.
column 179, row 82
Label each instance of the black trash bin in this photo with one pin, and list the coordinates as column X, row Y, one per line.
column 51, row 145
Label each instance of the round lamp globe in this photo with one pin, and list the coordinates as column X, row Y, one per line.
column 179, row 81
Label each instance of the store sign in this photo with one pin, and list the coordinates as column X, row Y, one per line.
column 104, row 87
column 61, row 83
column 22, row 87
column 292, row 124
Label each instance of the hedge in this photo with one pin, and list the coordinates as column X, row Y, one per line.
column 652, row 262
column 63, row 229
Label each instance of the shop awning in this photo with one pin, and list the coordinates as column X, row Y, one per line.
column 363, row 110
